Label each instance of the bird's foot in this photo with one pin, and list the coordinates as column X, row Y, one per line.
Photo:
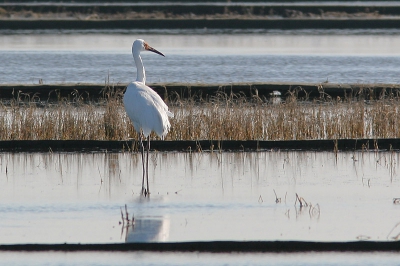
column 145, row 192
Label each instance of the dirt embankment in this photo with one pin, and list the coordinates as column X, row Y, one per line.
column 59, row 11
column 190, row 16
column 304, row 91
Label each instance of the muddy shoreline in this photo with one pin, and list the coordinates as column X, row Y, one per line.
column 284, row 24
column 193, row 10
column 200, row 145
column 217, row 246
column 305, row 91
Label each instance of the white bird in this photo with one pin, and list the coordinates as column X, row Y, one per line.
column 145, row 107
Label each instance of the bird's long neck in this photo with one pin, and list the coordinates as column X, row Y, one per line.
column 141, row 74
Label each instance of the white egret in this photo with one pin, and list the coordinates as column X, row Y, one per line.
column 145, row 108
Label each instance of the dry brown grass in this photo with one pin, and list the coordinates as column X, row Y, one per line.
column 218, row 118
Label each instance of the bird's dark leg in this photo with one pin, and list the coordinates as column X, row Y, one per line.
column 143, row 168
column 147, row 164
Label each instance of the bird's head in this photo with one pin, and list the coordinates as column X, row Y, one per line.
column 140, row 45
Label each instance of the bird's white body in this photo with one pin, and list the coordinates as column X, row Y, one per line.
column 143, row 105
column 146, row 109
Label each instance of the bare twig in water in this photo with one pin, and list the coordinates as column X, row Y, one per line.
column 277, row 200
column 260, row 199
column 198, row 147
column 127, row 215
column 396, row 200
column 128, row 222
column 287, row 213
column 122, row 217
column 301, row 201
column 335, row 147
column 363, row 237
column 396, row 237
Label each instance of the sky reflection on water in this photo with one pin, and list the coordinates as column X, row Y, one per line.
column 195, row 258
column 198, row 196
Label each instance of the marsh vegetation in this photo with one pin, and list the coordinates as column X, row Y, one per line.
column 222, row 116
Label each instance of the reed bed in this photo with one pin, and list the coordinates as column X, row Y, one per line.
column 221, row 117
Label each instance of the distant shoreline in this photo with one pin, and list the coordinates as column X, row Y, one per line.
column 189, row 15
column 361, row 23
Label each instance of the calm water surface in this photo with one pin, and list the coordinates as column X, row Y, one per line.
column 202, row 56
column 77, row 198
column 165, row 259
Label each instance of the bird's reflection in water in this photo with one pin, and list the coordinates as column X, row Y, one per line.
column 147, row 229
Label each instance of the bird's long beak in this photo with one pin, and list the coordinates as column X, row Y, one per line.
column 151, row 49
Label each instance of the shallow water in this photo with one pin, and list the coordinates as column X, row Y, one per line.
column 156, row 258
column 204, row 56
column 77, row 198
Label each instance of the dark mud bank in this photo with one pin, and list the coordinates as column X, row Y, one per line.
column 345, row 23
column 305, row 91
column 217, row 246
column 200, row 145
